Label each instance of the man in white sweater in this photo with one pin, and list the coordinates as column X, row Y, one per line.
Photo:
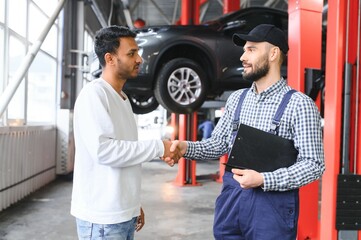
column 108, row 157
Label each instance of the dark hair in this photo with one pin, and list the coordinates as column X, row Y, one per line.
column 107, row 40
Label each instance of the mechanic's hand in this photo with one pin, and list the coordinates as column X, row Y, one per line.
column 248, row 178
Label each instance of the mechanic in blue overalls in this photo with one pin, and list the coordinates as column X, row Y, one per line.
column 206, row 128
column 263, row 205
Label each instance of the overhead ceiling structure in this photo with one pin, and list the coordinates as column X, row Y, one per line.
column 160, row 12
column 156, row 12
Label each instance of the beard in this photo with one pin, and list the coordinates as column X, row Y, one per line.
column 261, row 69
column 125, row 72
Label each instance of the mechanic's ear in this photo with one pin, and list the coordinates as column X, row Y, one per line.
column 274, row 53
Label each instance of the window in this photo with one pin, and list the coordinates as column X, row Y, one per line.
column 17, row 16
column 2, row 58
column 35, row 99
column 37, row 22
column 2, row 11
column 17, row 104
column 41, row 89
column 48, row 6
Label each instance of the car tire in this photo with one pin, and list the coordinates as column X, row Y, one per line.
column 142, row 104
column 181, row 86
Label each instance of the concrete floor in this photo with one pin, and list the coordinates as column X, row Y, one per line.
column 171, row 212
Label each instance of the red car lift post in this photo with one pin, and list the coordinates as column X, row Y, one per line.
column 187, row 126
column 333, row 115
column 187, row 169
column 190, row 12
column 353, row 56
column 190, row 15
column 342, row 49
column 305, row 41
column 228, row 6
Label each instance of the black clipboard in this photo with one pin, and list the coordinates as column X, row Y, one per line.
column 261, row 151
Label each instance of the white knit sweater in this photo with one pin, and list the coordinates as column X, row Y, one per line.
column 108, row 157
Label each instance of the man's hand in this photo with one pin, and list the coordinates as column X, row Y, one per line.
column 140, row 221
column 171, row 155
column 173, row 151
column 248, row 178
column 180, row 145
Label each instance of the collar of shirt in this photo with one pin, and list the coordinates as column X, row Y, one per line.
column 270, row 91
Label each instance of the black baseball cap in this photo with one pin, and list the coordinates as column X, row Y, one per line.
column 263, row 33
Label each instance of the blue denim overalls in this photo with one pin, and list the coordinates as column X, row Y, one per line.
column 252, row 214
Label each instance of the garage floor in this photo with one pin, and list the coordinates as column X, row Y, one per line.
column 172, row 212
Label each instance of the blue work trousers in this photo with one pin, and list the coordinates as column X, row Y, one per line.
column 252, row 214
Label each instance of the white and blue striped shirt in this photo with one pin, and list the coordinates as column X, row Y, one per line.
column 301, row 122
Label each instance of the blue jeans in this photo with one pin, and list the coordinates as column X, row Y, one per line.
column 119, row 231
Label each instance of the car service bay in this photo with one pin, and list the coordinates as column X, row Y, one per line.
column 190, row 67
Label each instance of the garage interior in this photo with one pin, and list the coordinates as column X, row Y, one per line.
column 36, row 158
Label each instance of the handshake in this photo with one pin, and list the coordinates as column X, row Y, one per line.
column 173, row 151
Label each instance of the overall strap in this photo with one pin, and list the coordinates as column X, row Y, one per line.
column 276, row 121
column 235, row 122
